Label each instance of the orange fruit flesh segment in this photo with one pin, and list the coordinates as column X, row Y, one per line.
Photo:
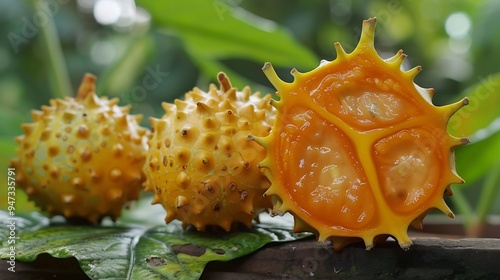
column 321, row 175
column 408, row 169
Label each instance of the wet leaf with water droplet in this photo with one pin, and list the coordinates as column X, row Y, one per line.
column 135, row 251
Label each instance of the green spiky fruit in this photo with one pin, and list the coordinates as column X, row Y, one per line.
column 81, row 157
column 201, row 165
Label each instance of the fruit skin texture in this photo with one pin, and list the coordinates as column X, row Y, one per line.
column 82, row 157
column 358, row 151
column 201, row 165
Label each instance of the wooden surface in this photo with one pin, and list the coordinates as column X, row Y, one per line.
column 428, row 258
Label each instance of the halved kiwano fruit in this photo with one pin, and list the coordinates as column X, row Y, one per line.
column 358, row 151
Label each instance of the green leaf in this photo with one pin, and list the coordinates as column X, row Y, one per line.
column 25, row 223
column 484, row 97
column 119, row 78
column 213, row 30
column 463, row 207
column 213, row 66
column 479, row 121
column 474, row 160
column 7, row 151
column 51, row 45
column 134, row 252
column 488, row 194
column 7, row 147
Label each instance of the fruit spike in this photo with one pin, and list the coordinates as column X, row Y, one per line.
column 358, row 151
column 201, row 166
column 79, row 169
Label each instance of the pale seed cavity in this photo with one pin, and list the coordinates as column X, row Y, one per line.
column 45, row 134
column 117, row 150
column 183, row 179
column 83, row 131
column 182, row 155
column 86, row 155
column 77, row 182
column 216, row 207
column 68, row 198
column 153, row 163
column 54, row 171
column 53, row 151
column 243, row 195
column 181, row 201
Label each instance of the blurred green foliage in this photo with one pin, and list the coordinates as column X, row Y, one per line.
column 188, row 42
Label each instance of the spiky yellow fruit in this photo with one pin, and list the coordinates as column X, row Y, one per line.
column 201, row 165
column 82, row 157
column 358, row 151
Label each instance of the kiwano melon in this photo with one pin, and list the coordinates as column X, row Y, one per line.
column 201, row 165
column 358, row 151
column 82, row 157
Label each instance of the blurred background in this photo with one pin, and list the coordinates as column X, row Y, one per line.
column 48, row 45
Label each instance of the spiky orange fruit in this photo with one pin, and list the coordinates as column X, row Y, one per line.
column 201, row 166
column 82, row 157
column 358, row 151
